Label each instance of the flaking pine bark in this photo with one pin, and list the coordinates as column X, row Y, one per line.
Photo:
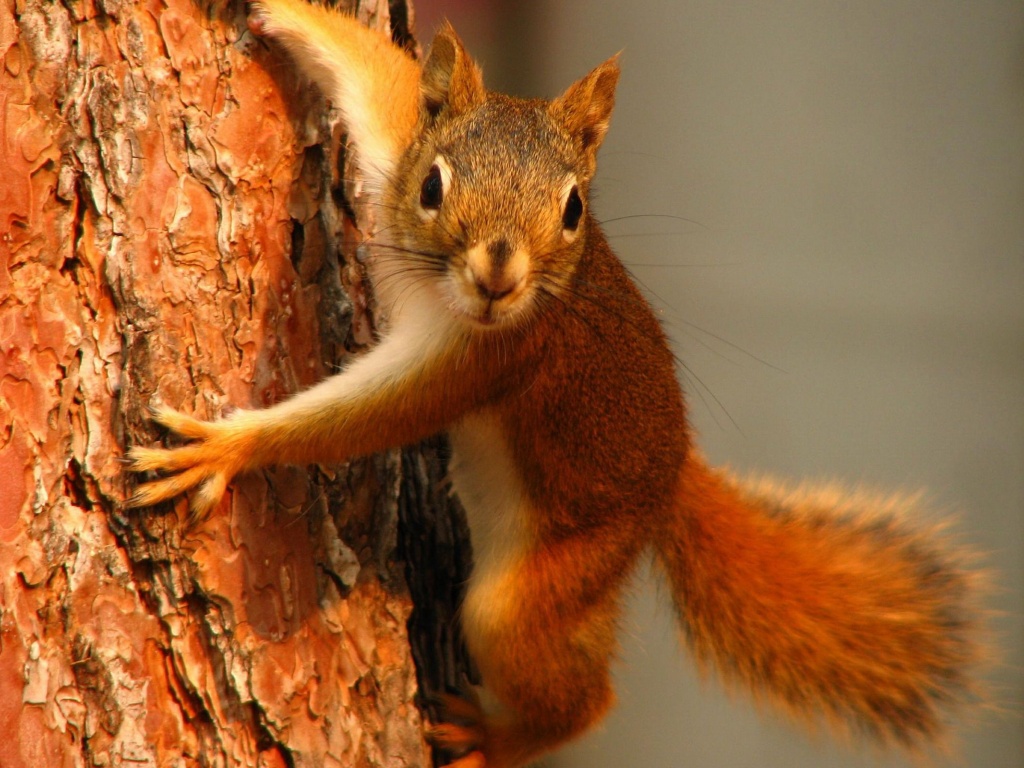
column 176, row 226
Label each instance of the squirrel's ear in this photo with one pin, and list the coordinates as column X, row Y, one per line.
column 450, row 77
column 586, row 107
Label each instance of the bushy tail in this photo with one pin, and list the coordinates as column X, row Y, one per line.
column 829, row 604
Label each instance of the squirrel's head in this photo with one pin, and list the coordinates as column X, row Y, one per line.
column 490, row 203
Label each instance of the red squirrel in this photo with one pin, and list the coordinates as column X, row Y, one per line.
column 509, row 323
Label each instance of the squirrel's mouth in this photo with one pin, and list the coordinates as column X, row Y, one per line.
column 491, row 292
column 487, row 315
column 486, row 318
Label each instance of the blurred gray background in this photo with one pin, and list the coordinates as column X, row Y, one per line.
column 845, row 285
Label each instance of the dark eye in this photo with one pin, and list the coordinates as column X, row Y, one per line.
column 573, row 210
column 432, row 190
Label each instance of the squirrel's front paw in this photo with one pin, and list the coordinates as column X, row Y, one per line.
column 217, row 452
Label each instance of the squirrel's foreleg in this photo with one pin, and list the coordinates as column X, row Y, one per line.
column 396, row 394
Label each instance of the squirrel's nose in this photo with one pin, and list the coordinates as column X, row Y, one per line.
column 495, row 287
column 496, row 269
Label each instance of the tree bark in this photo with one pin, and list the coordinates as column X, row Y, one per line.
column 171, row 218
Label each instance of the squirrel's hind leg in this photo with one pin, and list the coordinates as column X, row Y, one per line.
column 552, row 704
column 544, row 653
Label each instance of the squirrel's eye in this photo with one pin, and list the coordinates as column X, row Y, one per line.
column 573, row 210
column 432, row 190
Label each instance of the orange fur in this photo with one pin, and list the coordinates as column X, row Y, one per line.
column 829, row 606
column 572, row 451
column 328, row 45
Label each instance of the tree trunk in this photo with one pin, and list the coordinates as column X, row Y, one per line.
column 174, row 227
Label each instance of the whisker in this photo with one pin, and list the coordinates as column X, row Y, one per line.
column 698, row 386
column 728, row 343
column 557, row 290
column 689, row 265
column 631, row 216
column 637, row 235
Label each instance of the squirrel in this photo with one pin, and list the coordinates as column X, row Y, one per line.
column 510, row 324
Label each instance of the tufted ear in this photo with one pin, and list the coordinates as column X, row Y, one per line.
column 586, row 107
column 451, row 79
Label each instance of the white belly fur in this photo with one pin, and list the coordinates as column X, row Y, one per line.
column 490, row 489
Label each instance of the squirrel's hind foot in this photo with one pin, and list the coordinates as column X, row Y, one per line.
column 461, row 726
